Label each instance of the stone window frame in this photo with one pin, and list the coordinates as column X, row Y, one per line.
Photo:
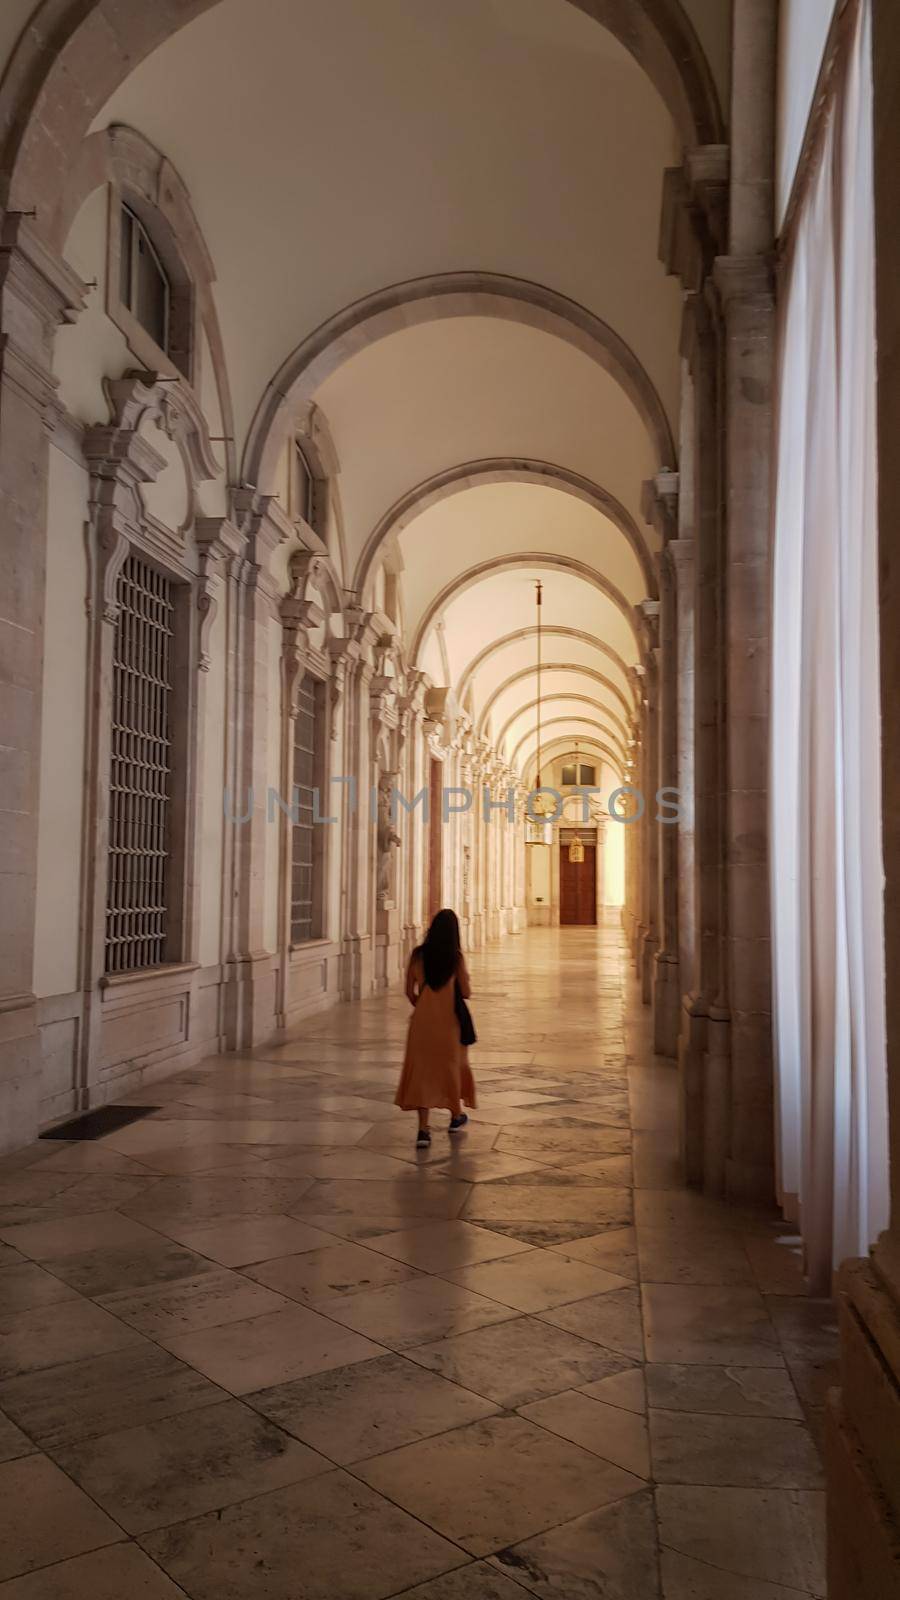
column 310, row 436
column 185, row 757
column 121, row 459
column 180, row 359
column 316, row 678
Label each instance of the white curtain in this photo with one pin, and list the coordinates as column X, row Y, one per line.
column 827, row 879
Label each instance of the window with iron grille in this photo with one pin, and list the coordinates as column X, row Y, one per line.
column 306, row 907
column 137, row 909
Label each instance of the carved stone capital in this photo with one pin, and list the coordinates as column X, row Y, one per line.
column 38, row 292
column 261, row 521
column 659, row 503
column 694, row 214
column 745, row 282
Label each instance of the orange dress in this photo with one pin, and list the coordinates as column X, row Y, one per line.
column 436, row 1073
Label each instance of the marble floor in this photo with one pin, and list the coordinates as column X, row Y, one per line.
column 254, row 1347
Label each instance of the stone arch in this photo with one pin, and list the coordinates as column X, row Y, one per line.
column 557, row 630
column 562, row 747
column 513, row 563
column 73, row 54
column 551, row 667
column 435, row 298
column 615, row 760
column 502, row 469
column 551, row 699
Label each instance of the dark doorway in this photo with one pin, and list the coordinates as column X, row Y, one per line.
column 577, row 885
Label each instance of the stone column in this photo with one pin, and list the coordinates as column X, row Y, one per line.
column 649, row 827
column 660, row 509
column 863, row 1423
column 693, row 234
column 681, row 556
column 251, row 969
column 38, row 291
column 359, row 880
column 636, row 833
column 704, row 1043
column 744, row 280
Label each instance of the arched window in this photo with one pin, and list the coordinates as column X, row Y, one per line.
column 302, row 488
column 144, row 287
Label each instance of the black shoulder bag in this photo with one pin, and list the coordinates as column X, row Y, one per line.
column 467, row 1034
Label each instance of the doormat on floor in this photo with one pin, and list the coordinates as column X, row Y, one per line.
column 94, row 1124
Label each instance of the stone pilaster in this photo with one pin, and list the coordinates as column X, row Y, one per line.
column 661, row 510
column 746, row 287
column 38, row 292
column 251, row 968
column 648, row 825
column 693, row 233
column 681, row 557
column 862, row 1460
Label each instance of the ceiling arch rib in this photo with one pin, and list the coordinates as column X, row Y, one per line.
column 572, row 704
column 497, row 469
column 437, row 297
column 508, row 643
column 582, row 675
column 45, row 120
column 540, row 562
column 520, row 757
column 562, row 749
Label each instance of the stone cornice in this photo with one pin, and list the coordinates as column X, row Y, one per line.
column 659, row 503
column 745, row 280
column 39, row 279
column 694, row 214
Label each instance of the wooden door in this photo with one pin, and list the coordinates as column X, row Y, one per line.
column 578, row 888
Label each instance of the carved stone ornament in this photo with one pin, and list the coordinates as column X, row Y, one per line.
column 387, row 837
column 140, row 396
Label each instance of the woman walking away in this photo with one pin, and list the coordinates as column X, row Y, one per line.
column 436, row 1073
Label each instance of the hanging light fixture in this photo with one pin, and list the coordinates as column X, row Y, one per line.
column 576, row 850
column 542, row 805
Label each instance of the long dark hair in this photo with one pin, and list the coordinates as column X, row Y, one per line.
column 441, row 949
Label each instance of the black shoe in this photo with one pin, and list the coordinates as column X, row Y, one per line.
column 423, row 1139
column 457, row 1124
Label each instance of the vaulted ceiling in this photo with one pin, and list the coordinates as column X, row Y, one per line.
column 336, row 150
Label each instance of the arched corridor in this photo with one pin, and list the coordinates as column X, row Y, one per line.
column 448, row 460
column 532, row 1362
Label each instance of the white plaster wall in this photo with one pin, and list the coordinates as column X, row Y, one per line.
column 62, row 732
column 166, row 499
column 430, row 660
column 803, row 30
column 333, row 540
column 212, row 496
column 614, row 864
column 212, row 780
column 538, row 862
column 273, row 767
column 91, row 348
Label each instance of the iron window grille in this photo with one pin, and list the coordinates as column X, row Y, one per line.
column 137, row 914
column 306, row 910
